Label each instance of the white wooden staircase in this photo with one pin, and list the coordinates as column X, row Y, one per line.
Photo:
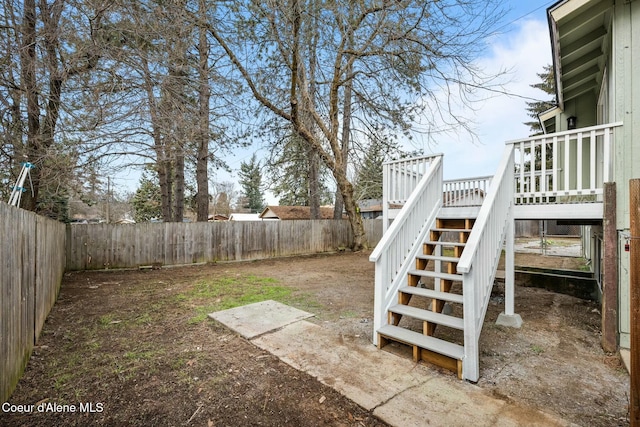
column 432, row 282
column 432, row 294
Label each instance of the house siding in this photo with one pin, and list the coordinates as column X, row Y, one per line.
column 626, row 47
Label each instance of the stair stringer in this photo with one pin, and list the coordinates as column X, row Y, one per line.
column 385, row 297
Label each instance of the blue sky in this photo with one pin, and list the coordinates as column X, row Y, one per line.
column 522, row 46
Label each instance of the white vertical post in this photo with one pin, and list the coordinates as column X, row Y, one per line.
column 386, row 189
column 471, row 363
column 593, row 161
column 509, row 269
column 567, row 148
column 607, row 156
column 579, row 162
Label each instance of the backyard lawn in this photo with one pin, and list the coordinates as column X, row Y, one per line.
column 138, row 347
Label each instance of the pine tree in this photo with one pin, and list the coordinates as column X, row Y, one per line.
column 369, row 178
column 146, row 201
column 251, row 183
column 547, row 85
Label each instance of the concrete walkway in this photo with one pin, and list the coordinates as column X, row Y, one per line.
column 398, row 391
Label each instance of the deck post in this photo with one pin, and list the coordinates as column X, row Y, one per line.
column 610, row 271
column 508, row 317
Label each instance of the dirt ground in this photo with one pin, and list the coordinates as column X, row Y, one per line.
column 138, row 347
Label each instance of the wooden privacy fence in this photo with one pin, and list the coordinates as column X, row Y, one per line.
column 33, row 260
column 32, row 251
column 99, row 246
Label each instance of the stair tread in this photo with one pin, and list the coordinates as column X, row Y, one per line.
column 436, row 275
column 464, row 230
column 428, row 316
column 430, row 293
column 406, row 336
column 438, row 258
column 431, row 242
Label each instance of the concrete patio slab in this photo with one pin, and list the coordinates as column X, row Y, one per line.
column 253, row 320
column 397, row 390
column 440, row 402
column 364, row 374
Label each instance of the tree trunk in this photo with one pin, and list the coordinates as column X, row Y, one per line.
column 314, row 185
column 28, row 62
column 178, row 182
column 164, row 178
column 355, row 220
column 202, row 179
column 346, row 133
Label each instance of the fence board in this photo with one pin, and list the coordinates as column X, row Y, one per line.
column 32, row 258
column 98, row 246
column 50, row 261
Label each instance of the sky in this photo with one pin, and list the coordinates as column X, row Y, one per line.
column 522, row 47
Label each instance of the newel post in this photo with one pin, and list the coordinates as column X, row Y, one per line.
column 509, row 317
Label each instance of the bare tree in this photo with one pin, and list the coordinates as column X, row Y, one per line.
column 394, row 55
column 45, row 46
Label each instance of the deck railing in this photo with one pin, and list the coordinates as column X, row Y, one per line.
column 465, row 192
column 480, row 257
column 564, row 167
column 395, row 253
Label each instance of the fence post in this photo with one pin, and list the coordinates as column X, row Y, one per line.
column 634, row 292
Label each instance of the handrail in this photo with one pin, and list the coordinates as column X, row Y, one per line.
column 479, row 260
column 505, row 170
column 399, row 180
column 395, row 227
column 395, row 253
column 564, row 133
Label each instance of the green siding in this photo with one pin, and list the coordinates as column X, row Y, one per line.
column 626, row 47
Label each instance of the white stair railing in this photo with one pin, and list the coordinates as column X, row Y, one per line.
column 479, row 260
column 399, row 180
column 395, row 253
column 581, row 161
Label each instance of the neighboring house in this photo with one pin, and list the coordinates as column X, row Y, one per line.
column 217, row 217
column 125, row 221
column 370, row 208
column 592, row 143
column 285, row 213
column 244, row 217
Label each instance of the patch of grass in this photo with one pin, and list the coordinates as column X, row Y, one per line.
column 222, row 293
column 108, row 321
column 349, row 314
column 62, row 380
column 536, row 349
column 140, row 355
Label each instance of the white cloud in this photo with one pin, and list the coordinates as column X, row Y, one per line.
column 524, row 52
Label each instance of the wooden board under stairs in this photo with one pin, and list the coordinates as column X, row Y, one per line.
column 428, row 316
column 433, row 350
column 433, row 274
column 429, row 293
column 438, row 258
column 444, row 244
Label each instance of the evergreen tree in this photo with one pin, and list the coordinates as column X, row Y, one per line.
column 369, row 178
column 251, row 183
column 547, row 85
column 290, row 170
column 146, row 201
